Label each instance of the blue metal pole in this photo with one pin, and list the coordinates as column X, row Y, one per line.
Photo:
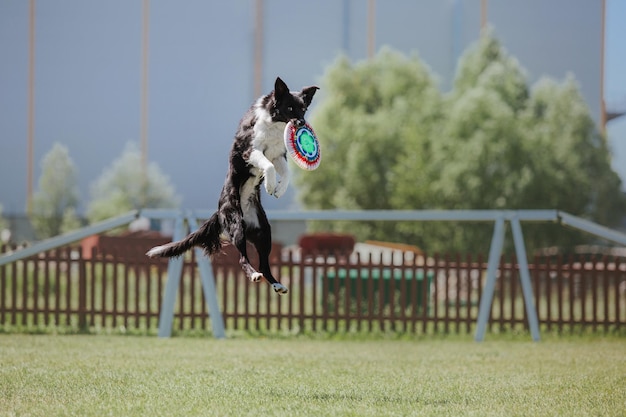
column 593, row 228
column 486, row 300
column 174, row 271
column 527, row 288
column 69, row 237
column 208, row 286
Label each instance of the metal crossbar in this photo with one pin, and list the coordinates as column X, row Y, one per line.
column 71, row 237
column 498, row 217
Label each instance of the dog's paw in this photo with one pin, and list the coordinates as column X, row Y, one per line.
column 270, row 181
column 280, row 288
column 280, row 189
column 270, row 188
column 256, row 277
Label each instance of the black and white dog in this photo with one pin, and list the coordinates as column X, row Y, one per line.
column 258, row 154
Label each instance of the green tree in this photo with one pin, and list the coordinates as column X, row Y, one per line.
column 123, row 187
column 575, row 158
column 371, row 112
column 53, row 209
column 488, row 64
column 570, row 161
column 390, row 140
column 506, row 146
column 482, row 154
column 3, row 223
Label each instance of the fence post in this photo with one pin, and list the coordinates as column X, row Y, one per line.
column 82, row 293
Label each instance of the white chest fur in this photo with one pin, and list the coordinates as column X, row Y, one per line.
column 268, row 135
column 267, row 160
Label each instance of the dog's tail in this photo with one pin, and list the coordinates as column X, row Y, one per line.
column 206, row 237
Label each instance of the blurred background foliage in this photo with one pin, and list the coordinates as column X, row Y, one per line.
column 391, row 140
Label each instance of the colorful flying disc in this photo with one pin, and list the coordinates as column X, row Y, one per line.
column 303, row 146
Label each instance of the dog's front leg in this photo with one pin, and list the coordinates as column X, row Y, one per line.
column 258, row 159
column 282, row 168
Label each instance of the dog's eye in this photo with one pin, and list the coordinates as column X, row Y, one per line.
column 289, row 108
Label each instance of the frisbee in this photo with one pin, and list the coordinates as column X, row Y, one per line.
column 302, row 146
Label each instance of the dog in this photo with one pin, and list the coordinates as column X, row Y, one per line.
column 258, row 154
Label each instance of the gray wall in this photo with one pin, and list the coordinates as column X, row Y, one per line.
column 88, row 67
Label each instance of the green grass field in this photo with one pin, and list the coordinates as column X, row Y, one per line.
column 48, row 375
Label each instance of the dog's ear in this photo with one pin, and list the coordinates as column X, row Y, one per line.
column 280, row 88
column 308, row 93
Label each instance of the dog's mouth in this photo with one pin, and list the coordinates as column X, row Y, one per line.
column 298, row 122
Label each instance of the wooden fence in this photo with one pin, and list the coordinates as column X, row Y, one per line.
column 328, row 292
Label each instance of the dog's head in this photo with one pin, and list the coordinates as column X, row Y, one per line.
column 289, row 105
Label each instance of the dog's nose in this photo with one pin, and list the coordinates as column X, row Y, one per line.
column 300, row 122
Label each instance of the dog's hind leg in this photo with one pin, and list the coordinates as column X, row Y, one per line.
column 252, row 274
column 262, row 239
column 235, row 227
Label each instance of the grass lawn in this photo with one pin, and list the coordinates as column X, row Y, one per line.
column 48, row 375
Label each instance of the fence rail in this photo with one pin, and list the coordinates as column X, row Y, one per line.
column 328, row 292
